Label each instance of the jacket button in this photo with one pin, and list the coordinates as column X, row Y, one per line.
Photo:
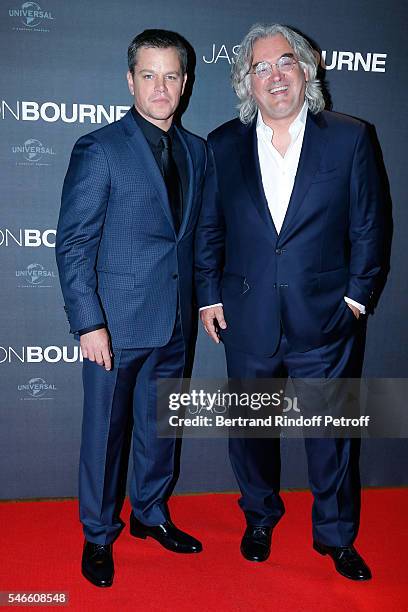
column 278, row 251
column 274, row 285
column 175, row 275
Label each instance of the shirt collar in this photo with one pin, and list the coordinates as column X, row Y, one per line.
column 151, row 132
column 294, row 128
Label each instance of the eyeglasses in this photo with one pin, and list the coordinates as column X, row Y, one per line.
column 263, row 70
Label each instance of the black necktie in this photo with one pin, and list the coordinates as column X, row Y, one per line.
column 172, row 180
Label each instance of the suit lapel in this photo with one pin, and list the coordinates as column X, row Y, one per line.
column 314, row 141
column 252, row 173
column 141, row 149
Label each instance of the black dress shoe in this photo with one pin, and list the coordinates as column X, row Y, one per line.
column 97, row 564
column 256, row 543
column 167, row 535
column 346, row 560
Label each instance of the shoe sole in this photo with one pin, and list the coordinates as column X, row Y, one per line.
column 92, row 581
column 255, row 560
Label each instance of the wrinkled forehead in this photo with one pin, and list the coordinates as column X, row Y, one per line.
column 270, row 49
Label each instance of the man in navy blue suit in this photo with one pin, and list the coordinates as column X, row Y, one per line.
column 130, row 203
column 287, row 254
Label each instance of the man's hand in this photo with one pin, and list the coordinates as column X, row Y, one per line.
column 211, row 318
column 355, row 310
column 95, row 346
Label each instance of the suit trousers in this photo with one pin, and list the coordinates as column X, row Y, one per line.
column 112, row 400
column 332, row 462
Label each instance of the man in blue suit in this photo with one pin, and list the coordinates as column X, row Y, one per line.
column 288, row 251
column 130, row 203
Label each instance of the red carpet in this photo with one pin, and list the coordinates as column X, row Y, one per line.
column 41, row 548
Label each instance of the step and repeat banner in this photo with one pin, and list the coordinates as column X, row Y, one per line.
column 63, row 67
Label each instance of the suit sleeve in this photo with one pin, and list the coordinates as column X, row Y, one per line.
column 84, row 202
column 210, row 239
column 366, row 221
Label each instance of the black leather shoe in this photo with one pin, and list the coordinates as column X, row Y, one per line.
column 256, row 543
column 346, row 560
column 97, row 564
column 167, row 535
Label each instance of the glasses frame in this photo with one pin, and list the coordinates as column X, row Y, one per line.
column 293, row 62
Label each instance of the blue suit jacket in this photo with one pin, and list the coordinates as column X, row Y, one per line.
column 329, row 245
column 119, row 259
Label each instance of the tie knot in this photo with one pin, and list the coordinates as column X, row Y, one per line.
column 165, row 141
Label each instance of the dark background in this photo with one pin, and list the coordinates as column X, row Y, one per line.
column 76, row 54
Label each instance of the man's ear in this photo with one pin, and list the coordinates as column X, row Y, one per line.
column 129, row 77
column 305, row 72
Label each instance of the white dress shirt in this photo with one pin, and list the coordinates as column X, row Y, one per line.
column 279, row 172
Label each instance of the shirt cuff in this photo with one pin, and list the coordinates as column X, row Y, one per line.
column 356, row 304
column 210, row 306
column 87, row 330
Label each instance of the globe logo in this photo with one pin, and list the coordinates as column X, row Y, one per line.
column 30, row 18
column 34, row 276
column 37, row 387
column 32, row 150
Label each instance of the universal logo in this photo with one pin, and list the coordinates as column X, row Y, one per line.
column 335, row 60
column 37, row 388
column 34, row 152
column 35, row 275
column 32, row 16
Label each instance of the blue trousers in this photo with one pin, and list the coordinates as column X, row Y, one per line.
column 332, row 463
column 112, row 400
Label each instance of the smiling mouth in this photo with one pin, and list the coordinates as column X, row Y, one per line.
column 278, row 90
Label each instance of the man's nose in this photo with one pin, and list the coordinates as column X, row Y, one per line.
column 276, row 73
column 160, row 83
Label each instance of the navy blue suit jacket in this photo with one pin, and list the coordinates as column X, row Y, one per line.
column 120, row 261
column 328, row 247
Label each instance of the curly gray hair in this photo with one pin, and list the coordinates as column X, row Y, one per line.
column 241, row 80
